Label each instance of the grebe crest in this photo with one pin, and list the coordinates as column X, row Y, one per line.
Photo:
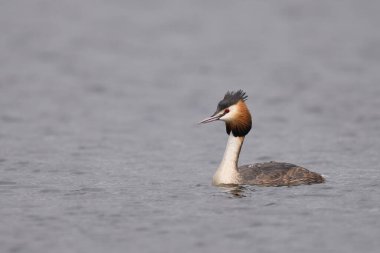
column 233, row 110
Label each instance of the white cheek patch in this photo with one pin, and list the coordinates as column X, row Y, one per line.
column 231, row 114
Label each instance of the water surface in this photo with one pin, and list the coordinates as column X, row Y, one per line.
column 100, row 151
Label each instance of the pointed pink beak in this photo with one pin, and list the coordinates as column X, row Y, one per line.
column 210, row 119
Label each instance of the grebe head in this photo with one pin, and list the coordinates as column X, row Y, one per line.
column 234, row 112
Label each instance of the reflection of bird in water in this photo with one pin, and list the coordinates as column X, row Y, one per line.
column 238, row 191
column 234, row 112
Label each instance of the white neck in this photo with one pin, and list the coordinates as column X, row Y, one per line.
column 227, row 173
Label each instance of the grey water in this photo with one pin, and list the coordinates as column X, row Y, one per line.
column 99, row 146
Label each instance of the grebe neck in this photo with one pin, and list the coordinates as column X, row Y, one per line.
column 227, row 173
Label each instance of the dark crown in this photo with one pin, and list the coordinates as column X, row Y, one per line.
column 231, row 98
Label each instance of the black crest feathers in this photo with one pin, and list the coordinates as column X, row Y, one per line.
column 231, row 98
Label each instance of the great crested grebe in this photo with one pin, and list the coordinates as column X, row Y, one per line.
column 234, row 112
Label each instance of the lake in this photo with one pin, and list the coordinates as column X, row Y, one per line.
column 100, row 150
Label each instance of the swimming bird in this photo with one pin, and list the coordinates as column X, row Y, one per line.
column 233, row 110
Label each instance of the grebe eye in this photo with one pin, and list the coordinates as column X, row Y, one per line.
column 226, row 111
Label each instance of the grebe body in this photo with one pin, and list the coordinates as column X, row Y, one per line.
column 234, row 112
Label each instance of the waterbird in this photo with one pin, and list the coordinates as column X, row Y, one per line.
column 233, row 110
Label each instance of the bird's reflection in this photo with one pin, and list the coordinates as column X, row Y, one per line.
column 237, row 191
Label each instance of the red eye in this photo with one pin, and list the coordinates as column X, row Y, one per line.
column 226, row 111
